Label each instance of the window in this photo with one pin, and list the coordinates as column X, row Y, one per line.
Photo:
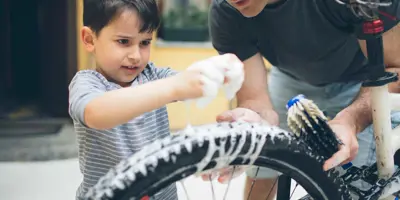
column 184, row 20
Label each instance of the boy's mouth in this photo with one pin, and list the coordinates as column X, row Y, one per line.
column 130, row 68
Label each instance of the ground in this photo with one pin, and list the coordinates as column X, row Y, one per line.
column 59, row 180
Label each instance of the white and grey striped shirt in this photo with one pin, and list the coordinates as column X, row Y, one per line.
column 100, row 150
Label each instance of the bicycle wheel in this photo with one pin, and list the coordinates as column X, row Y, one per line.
column 216, row 146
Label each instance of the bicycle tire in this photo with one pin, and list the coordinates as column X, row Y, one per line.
column 213, row 146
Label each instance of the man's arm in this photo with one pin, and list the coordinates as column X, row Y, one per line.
column 253, row 94
column 359, row 112
column 229, row 36
column 391, row 48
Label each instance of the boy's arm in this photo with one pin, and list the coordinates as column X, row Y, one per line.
column 163, row 72
column 96, row 108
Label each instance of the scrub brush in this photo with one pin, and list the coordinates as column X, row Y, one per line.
column 309, row 123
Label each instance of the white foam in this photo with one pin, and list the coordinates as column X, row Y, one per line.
column 214, row 70
column 162, row 149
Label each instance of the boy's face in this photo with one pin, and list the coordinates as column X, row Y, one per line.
column 121, row 52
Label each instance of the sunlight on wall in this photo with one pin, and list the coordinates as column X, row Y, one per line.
column 179, row 59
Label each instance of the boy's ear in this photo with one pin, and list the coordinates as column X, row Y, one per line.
column 88, row 37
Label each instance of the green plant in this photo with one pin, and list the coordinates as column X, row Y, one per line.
column 186, row 17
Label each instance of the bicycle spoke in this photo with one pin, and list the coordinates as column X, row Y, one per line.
column 212, row 187
column 188, row 128
column 273, row 186
column 293, row 190
column 252, row 184
column 226, row 191
column 184, row 189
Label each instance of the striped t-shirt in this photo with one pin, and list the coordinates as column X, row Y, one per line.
column 100, row 150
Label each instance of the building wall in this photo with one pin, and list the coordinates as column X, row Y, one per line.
column 201, row 4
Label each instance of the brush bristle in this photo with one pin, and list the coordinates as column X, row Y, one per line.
column 309, row 123
column 297, row 117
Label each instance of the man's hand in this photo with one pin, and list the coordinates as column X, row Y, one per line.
column 346, row 132
column 238, row 114
column 244, row 114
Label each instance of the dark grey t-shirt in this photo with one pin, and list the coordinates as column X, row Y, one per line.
column 312, row 40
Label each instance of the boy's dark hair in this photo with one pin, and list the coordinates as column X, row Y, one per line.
column 98, row 13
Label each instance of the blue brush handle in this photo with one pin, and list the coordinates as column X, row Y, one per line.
column 294, row 100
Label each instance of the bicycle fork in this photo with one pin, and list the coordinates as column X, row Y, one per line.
column 381, row 107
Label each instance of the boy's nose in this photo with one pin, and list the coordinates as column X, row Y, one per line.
column 134, row 56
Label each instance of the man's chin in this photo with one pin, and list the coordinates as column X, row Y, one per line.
column 247, row 12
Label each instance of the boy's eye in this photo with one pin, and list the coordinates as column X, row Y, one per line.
column 145, row 43
column 123, row 41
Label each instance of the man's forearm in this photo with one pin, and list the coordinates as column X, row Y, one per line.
column 360, row 110
column 253, row 94
column 261, row 104
column 359, row 113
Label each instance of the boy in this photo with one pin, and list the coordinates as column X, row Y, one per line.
column 119, row 106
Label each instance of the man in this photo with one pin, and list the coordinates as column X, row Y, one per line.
column 314, row 51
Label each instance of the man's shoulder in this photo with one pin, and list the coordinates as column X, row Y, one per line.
column 217, row 3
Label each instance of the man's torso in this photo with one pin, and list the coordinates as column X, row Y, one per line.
column 297, row 37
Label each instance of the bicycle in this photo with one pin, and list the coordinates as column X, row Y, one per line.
column 214, row 146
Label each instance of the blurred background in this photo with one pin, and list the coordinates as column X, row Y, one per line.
column 40, row 53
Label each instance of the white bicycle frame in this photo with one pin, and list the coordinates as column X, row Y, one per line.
column 387, row 139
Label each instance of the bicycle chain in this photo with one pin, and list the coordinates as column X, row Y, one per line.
column 368, row 175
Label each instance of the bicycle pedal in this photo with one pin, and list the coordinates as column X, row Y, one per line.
column 383, row 188
column 352, row 174
column 392, row 185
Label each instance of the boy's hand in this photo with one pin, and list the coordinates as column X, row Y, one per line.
column 191, row 84
column 204, row 78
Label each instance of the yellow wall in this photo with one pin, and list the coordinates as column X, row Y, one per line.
column 176, row 58
column 82, row 55
column 179, row 59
